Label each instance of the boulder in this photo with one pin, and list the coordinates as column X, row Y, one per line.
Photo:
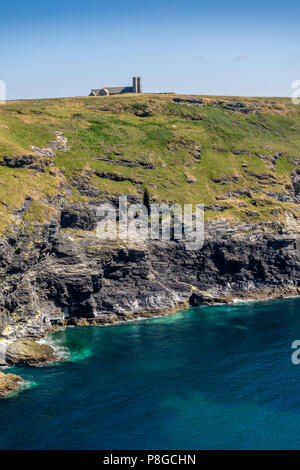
column 26, row 352
column 9, row 383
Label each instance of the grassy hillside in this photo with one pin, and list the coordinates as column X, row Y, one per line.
column 220, row 151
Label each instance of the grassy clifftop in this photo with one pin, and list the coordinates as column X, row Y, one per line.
column 235, row 155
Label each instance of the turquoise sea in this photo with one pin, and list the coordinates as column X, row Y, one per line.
column 216, row 377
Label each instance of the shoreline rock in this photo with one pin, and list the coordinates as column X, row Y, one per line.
column 26, row 352
column 197, row 299
column 9, row 383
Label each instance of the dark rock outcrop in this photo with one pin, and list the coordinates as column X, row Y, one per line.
column 226, row 180
column 78, row 216
column 32, row 162
column 237, row 106
column 127, row 163
column 63, row 279
column 191, row 101
column 117, row 177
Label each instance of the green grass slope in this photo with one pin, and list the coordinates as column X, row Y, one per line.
column 220, row 151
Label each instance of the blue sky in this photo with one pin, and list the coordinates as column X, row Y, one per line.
column 64, row 48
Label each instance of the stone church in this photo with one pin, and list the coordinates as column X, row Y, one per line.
column 116, row 90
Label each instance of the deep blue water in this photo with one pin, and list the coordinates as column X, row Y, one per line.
column 209, row 378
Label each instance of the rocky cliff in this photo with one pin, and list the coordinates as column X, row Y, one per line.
column 241, row 159
column 52, row 277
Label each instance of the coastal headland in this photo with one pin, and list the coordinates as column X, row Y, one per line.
column 61, row 159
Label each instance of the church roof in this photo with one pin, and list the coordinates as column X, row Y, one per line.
column 112, row 90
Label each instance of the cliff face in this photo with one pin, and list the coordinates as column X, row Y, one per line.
column 59, row 159
column 52, row 276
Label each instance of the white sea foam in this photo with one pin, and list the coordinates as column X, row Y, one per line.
column 242, row 301
column 25, row 385
column 62, row 352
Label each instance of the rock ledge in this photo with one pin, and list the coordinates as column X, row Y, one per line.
column 9, row 383
column 26, row 352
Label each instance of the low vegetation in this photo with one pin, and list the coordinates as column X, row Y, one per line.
column 235, row 155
